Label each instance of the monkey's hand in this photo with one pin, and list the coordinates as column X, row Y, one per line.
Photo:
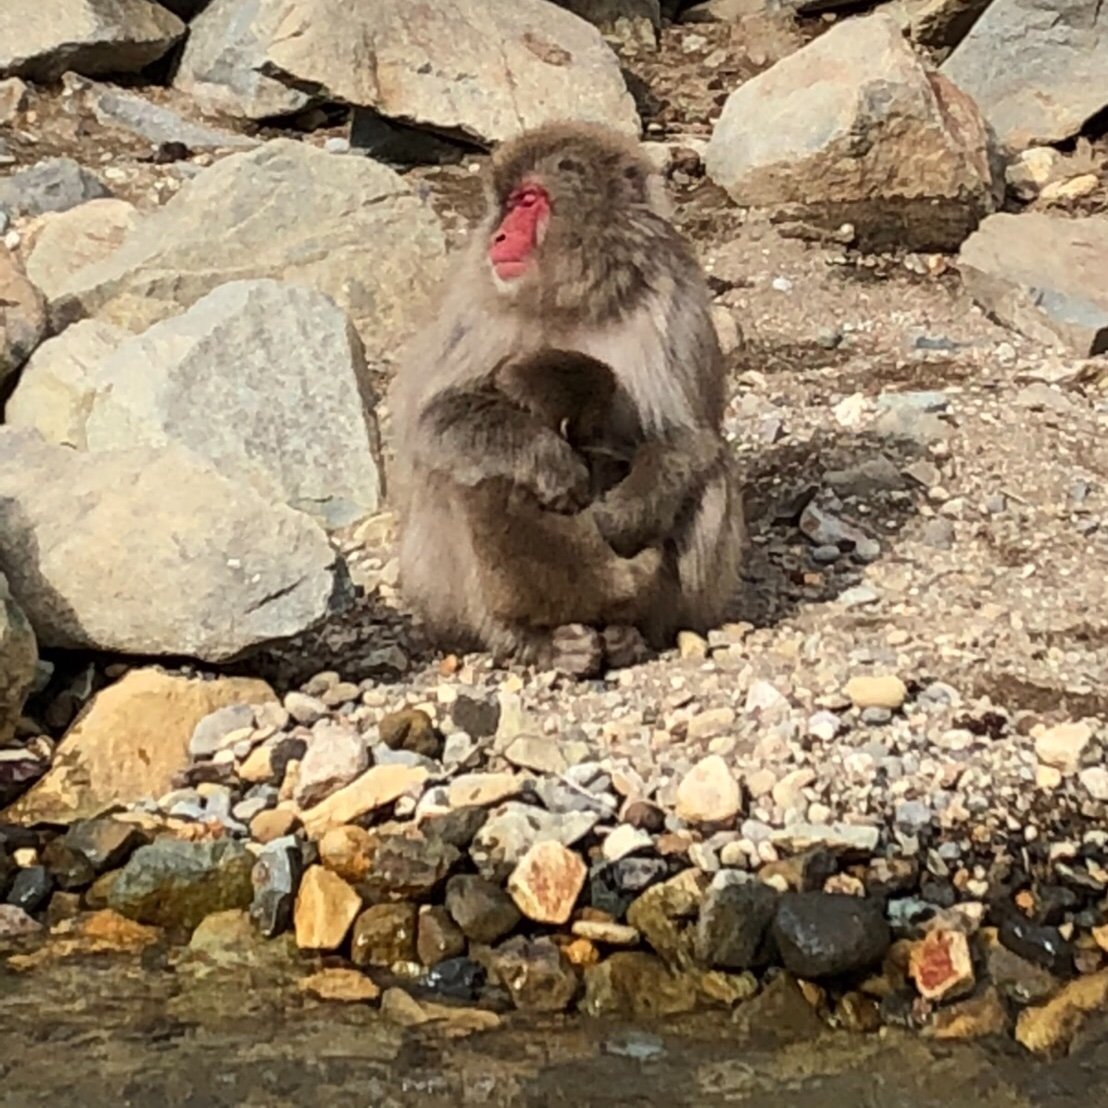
column 559, row 477
column 666, row 475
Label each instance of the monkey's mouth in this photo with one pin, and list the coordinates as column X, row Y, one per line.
column 509, row 271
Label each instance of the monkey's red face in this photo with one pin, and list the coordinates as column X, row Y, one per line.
column 520, row 232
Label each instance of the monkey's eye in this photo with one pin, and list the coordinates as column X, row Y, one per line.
column 568, row 165
column 524, row 198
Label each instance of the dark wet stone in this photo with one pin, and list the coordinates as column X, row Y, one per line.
column 412, row 730
column 1053, row 903
column 941, row 893
column 62, row 906
column 614, row 885
column 206, row 773
column 31, row 888
column 732, row 931
column 106, row 843
column 384, row 934
column 645, row 816
column 665, row 915
column 276, row 878
column 1038, row 943
column 823, row 935
column 1019, row 979
column 407, row 868
column 69, row 868
column 638, row 985
column 536, row 974
column 17, row 774
column 438, row 937
column 456, row 978
column 457, row 827
column 478, row 718
column 778, row 1015
column 484, row 911
column 15, row 837
column 285, row 750
column 8, row 870
column 175, row 884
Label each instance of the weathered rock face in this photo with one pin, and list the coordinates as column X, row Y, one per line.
column 18, row 655
column 221, row 65
column 53, row 185
column 22, row 316
column 526, row 63
column 1044, row 275
column 293, row 418
column 129, row 744
column 85, row 36
column 853, row 129
column 57, row 384
column 344, row 225
column 58, row 244
column 940, row 24
column 1036, row 69
column 153, row 551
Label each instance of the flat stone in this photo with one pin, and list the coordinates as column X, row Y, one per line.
column 185, row 522
column 1049, row 1029
column 129, row 744
column 484, row 789
column 709, row 793
column 384, row 935
column 527, row 64
column 536, row 974
column 941, row 966
column 1062, row 745
column 1044, row 275
column 377, row 787
column 211, row 733
column 175, row 884
column 852, row 128
column 283, row 211
column 343, row 985
column 275, row 823
column 1037, row 75
column 820, row 935
column 83, row 36
column 336, row 755
column 326, row 906
column 547, row 881
column 100, row 932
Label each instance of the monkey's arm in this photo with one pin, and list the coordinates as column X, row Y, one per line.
column 666, row 473
column 474, row 434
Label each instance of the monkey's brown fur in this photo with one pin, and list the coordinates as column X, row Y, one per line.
column 613, row 280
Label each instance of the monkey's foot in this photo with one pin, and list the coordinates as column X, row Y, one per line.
column 576, row 650
column 624, row 646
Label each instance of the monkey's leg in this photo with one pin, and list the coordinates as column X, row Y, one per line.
column 666, row 474
column 476, row 434
column 572, row 649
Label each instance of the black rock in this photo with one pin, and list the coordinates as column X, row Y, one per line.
column 484, row 911
column 1053, row 903
column 286, row 750
column 938, row 892
column 8, row 870
column 17, row 774
column 824, row 935
column 477, row 718
column 457, row 827
column 1038, row 943
column 69, row 868
column 732, row 931
column 106, row 843
column 614, row 885
column 31, row 888
column 456, row 978
column 276, row 877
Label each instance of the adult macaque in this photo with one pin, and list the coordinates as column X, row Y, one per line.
column 577, row 255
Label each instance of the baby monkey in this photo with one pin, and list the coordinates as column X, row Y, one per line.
column 522, row 546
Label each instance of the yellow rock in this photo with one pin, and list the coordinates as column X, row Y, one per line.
column 346, row 985
column 1049, row 1028
column 887, row 691
column 326, row 906
column 129, row 744
column 378, row 786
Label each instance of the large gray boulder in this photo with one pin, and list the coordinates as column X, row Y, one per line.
column 267, row 380
column 1045, row 275
column 42, row 41
column 344, row 225
column 18, row 657
column 853, row 129
column 154, row 551
column 1038, row 69
column 221, row 64
column 481, row 69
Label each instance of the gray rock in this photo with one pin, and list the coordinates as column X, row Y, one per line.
column 346, row 226
column 22, row 316
column 293, row 418
column 221, row 64
column 52, row 185
column 483, row 910
column 152, row 551
column 276, row 879
column 18, row 661
column 104, row 843
column 514, row 828
column 853, row 129
column 175, row 884
column 57, row 385
column 822, row 935
column 1044, row 275
column 336, row 755
column 157, row 124
column 1035, row 68
column 210, row 734
column 526, row 63
column 84, row 36
column 733, row 925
